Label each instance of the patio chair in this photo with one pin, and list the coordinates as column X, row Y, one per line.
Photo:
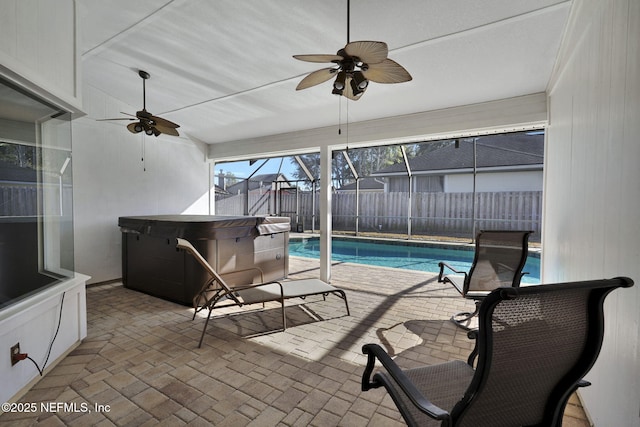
column 216, row 293
column 533, row 347
column 498, row 261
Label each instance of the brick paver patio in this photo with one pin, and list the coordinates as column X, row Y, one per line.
column 141, row 363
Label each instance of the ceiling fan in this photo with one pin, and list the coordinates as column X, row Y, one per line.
column 145, row 121
column 354, row 66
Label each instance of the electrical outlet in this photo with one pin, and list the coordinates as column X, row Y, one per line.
column 15, row 351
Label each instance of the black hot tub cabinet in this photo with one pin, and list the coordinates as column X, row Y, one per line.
column 152, row 264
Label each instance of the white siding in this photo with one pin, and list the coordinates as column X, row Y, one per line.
column 592, row 188
column 504, row 115
column 38, row 52
column 38, row 46
column 32, row 323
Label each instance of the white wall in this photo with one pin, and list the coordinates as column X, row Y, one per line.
column 494, row 181
column 503, row 115
column 592, row 188
column 32, row 323
column 110, row 180
column 38, row 46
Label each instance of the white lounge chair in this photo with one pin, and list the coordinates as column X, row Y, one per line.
column 217, row 293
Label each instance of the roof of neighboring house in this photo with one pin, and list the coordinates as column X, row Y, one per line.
column 219, row 190
column 365, row 184
column 257, row 181
column 502, row 150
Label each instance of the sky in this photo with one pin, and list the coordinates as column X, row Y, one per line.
column 242, row 169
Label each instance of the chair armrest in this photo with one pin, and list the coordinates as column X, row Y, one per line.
column 473, row 335
column 522, row 274
column 374, row 351
column 246, row 269
column 442, row 266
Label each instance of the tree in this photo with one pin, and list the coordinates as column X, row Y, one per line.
column 364, row 160
column 228, row 178
column 17, row 154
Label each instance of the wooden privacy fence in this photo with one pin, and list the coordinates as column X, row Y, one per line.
column 431, row 213
column 258, row 204
column 18, row 200
column 29, row 199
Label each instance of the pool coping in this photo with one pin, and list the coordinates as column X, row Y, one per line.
column 533, row 252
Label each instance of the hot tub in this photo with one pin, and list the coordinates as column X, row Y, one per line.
column 152, row 264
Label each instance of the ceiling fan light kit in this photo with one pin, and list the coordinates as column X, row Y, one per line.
column 355, row 66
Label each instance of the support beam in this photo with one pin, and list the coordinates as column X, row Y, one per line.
column 313, row 206
column 410, row 189
column 304, row 168
column 325, row 213
column 212, row 188
column 354, row 172
column 505, row 115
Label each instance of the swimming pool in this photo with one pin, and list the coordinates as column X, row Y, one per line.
column 407, row 255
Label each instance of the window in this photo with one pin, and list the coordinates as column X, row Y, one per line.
column 36, row 218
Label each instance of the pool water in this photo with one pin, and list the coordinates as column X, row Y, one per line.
column 410, row 257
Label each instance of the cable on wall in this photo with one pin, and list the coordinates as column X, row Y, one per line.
column 41, row 371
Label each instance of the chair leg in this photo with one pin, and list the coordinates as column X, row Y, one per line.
column 284, row 316
column 204, row 329
column 464, row 318
column 341, row 294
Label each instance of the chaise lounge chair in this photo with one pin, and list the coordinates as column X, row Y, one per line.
column 534, row 345
column 498, row 261
column 216, row 293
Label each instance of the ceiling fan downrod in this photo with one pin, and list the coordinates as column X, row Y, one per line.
column 144, row 76
column 348, row 19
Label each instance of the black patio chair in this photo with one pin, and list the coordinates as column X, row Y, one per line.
column 498, row 261
column 533, row 347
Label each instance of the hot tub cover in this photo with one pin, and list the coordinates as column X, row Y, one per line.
column 273, row 224
column 203, row 227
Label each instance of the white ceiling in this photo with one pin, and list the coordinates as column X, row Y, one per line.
column 224, row 70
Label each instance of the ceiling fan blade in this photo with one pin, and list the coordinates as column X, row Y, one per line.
column 348, row 90
column 387, row 71
column 319, row 58
column 369, row 52
column 132, row 128
column 315, row 78
column 120, row 118
column 127, row 114
column 166, row 130
column 159, row 121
